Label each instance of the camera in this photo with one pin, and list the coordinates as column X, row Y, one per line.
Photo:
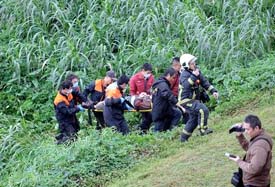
column 236, row 129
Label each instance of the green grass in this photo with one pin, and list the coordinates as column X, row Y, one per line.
column 201, row 161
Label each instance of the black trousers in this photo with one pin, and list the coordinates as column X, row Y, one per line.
column 120, row 126
column 146, row 121
column 198, row 116
column 100, row 123
column 169, row 120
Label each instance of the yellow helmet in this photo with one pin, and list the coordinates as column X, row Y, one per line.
column 185, row 60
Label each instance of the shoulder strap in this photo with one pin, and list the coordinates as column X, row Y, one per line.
column 263, row 138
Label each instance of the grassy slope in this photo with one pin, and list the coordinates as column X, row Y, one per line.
column 200, row 162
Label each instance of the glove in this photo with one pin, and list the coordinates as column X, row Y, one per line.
column 122, row 99
column 80, row 108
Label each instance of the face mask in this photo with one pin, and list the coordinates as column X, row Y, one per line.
column 147, row 75
column 75, row 85
column 69, row 91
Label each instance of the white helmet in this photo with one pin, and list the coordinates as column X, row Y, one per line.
column 185, row 60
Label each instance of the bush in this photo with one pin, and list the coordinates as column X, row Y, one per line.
column 93, row 159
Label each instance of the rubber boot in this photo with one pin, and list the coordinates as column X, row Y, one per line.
column 184, row 137
column 205, row 131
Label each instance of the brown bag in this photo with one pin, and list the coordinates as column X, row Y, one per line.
column 143, row 102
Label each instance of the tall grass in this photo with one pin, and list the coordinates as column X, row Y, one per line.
column 77, row 35
column 91, row 161
column 43, row 40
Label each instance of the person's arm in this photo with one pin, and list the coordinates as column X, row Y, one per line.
column 206, row 85
column 89, row 89
column 243, row 141
column 64, row 109
column 166, row 93
column 259, row 158
column 133, row 86
column 79, row 95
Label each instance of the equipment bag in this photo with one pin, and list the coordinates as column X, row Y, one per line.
column 143, row 102
column 237, row 178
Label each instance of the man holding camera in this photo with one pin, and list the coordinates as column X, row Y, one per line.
column 191, row 83
column 256, row 164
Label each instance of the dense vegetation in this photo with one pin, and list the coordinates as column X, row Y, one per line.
column 42, row 41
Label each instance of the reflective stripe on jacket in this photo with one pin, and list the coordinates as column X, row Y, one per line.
column 189, row 86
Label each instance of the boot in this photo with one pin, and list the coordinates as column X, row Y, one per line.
column 184, row 137
column 205, row 131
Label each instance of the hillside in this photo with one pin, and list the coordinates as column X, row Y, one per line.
column 200, row 162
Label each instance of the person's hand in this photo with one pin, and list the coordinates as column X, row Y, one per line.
column 234, row 128
column 122, row 99
column 80, row 108
column 235, row 159
column 216, row 95
column 196, row 72
column 87, row 104
column 182, row 109
column 142, row 94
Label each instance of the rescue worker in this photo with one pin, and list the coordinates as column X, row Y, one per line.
column 115, row 105
column 191, row 80
column 140, row 85
column 78, row 97
column 96, row 90
column 65, row 110
column 165, row 114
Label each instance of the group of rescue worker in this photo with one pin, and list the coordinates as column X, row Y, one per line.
column 178, row 93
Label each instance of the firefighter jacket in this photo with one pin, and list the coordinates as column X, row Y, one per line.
column 190, row 86
column 140, row 84
column 163, row 99
column 96, row 90
column 113, row 108
column 65, row 109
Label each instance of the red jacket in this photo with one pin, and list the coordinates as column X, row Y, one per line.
column 139, row 84
column 175, row 85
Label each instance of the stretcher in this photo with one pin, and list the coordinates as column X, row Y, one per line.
column 90, row 121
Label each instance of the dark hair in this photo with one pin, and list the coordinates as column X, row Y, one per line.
column 70, row 77
column 122, row 79
column 147, row 67
column 66, row 84
column 254, row 121
column 169, row 71
column 176, row 60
